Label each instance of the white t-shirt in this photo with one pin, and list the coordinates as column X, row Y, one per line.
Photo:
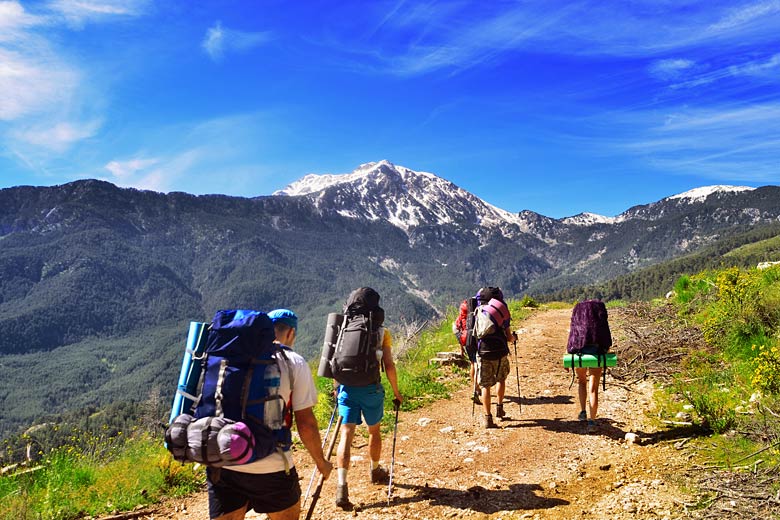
column 304, row 396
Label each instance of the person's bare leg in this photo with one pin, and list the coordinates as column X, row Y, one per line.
column 500, row 392
column 582, row 387
column 593, row 391
column 238, row 514
column 291, row 513
column 345, row 445
column 374, row 442
column 486, row 399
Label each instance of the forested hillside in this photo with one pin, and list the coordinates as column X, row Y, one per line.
column 98, row 284
column 741, row 250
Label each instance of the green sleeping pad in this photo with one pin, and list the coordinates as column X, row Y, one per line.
column 589, row 360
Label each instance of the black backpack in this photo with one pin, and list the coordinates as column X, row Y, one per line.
column 486, row 294
column 355, row 359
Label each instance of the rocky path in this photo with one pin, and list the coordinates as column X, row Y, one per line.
column 540, row 464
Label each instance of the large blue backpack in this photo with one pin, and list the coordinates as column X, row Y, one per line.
column 239, row 383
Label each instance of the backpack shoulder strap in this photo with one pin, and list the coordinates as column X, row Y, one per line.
column 291, row 373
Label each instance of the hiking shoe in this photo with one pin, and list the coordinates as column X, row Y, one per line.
column 489, row 422
column 476, row 399
column 342, row 497
column 500, row 411
column 379, row 475
column 583, row 416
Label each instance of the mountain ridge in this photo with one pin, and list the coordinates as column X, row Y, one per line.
column 88, row 266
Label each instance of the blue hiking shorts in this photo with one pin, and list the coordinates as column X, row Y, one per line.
column 366, row 401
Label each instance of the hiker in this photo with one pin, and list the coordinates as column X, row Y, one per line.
column 270, row 485
column 460, row 329
column 361, row 396
column 589, row 334
column 493, row 351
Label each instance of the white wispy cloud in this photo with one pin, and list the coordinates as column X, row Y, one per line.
column 720, row 143
column 747, row 17
column 755, row 71
column 122, row 170
column 765, row 67
column 161, row 174
column 49, row 99
column 59, row 137
column 79, row 12
column 209, row 156
column 220, row 40
column 457, row 35
column 33, row 77
column 33, row 80
column 14, row 19
column 670, row 68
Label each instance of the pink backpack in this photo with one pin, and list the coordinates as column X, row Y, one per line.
column 490, row 318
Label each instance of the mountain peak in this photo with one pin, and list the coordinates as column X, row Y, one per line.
column 701, row 193
column 315, row 182
column 587, row 219
column 405, row 198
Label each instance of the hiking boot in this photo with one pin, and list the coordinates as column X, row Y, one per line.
column 500, row 411
column 476, row 399
column 342, row 497
column 489, row 422
column 583, row 416
column 379, row 475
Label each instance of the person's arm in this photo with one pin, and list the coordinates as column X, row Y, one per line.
column 392, row 377
column 309, row 432
column 510, row 336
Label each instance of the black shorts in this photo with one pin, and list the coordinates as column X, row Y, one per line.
column 265, row 492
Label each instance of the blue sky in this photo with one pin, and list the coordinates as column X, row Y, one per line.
column 555, row 106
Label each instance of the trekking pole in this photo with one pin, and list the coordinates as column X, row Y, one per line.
column 314, row 471
column 316, row 496
column 397, row 404
column 474, row 401
column 517, row 375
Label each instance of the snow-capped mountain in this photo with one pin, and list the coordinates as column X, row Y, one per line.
column 588, row 219
column 701, row 194
column 109, row 258
column 409, row 199
column 403, row 197
column 431, row 210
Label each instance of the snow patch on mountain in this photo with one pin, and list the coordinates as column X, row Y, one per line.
column 701, row 194
column 588, row 219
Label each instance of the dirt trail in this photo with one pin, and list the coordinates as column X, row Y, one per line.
column 541, row 463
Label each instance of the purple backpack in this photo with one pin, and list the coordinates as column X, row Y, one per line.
column 589, row 331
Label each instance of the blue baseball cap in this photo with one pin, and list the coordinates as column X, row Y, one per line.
column 285, row 316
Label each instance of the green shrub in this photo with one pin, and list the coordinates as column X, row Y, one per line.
column 529, row 302
column 766, row 374
column 738, row 311
column 71, row 483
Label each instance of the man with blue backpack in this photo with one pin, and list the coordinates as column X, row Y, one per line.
column 253, row 387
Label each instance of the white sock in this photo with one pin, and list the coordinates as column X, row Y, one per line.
column 374, row 464
column 342, row 474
